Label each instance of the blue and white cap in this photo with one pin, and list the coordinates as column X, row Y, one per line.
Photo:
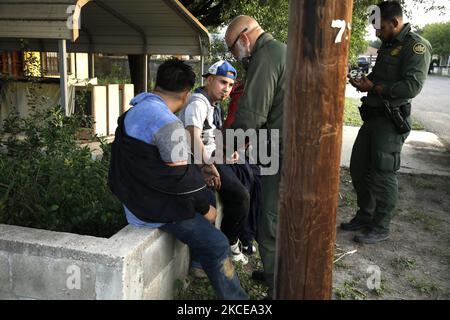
column 222, row 68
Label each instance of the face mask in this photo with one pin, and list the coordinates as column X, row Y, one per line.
column 243, row 56
column 241, row 51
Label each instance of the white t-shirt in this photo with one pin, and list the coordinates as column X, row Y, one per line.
column 200, row 113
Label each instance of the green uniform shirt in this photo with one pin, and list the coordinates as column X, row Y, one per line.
column 401, row 67
column 261, row 105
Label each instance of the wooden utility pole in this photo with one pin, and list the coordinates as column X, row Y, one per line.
column 319, row 37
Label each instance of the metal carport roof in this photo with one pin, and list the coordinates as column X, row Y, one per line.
column 108, row 26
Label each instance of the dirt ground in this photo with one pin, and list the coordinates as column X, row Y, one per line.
column 415, row 262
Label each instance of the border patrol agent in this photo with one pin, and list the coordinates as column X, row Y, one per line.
column 398, row 76
column 261, row 107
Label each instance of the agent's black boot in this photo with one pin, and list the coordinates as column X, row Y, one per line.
column 371, row 237
column 354, row 225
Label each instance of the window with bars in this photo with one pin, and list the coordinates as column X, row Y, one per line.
column 12, row 64
column 49, row 64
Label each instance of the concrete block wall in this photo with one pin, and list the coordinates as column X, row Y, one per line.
column 136, row 263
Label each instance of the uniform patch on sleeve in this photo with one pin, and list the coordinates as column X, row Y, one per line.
column 419, row 48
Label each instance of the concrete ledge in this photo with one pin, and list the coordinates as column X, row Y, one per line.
column 136, row 263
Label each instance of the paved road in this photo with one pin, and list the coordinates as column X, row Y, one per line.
column 422, row 153
column 432, row 107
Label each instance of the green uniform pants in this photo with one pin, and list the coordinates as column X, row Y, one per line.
column 267, row 227
column 374, row 162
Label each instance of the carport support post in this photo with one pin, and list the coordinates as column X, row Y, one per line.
column 63, row 75
column 315, row 91
column 145, row 73
column 202, row 68
column 138, row 72
column 91, row 65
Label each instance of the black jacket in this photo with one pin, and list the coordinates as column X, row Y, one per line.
column 152, row 190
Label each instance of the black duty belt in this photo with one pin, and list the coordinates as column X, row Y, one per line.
column 380, row 112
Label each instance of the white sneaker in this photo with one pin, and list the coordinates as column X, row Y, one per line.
column 236, row 253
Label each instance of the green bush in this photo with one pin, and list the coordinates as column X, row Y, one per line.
column 48, row 181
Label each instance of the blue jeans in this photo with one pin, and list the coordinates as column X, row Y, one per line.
column 211, row 248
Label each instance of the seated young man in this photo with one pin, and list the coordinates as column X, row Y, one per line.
column 198, row 119
column 250, row 176
column 150, row 174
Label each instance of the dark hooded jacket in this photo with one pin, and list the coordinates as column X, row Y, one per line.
column 152, row 190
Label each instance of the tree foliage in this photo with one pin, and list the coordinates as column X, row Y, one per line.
column 358, row 43
column 273, row 16
column 439, row 36
column 208, row 12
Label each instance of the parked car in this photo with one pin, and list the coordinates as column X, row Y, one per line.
column 361, row 67
column 364, row 64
